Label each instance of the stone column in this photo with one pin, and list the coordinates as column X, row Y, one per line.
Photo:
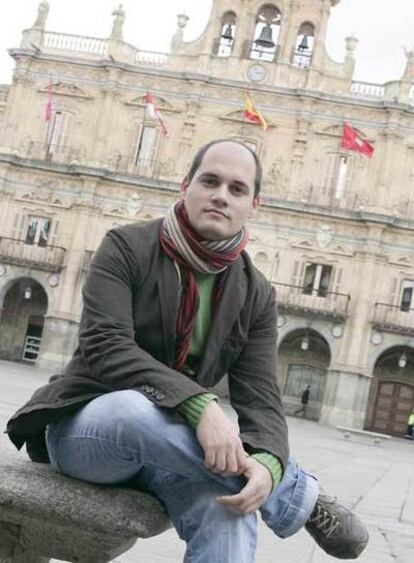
column 60, row 333
column 59, row 340
column 346, row 398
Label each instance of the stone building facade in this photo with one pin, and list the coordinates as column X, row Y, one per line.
column 335, row 232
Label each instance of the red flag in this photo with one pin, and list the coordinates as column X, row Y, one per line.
column 154, row 113
column 252, row 114
column 48, row 107
column 352, row 141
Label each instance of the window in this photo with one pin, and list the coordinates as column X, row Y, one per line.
column 57, row 134
column 317, row 279
column 144, row 156
column 300, row 376
column 302, row 53
column 223, row 46
column 264, row 45
column 337, row 174
column 38, row 231
column 407, row 296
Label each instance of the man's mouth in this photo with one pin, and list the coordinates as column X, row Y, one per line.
column 217, row 212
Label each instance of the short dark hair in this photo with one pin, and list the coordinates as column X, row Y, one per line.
column 196, row 163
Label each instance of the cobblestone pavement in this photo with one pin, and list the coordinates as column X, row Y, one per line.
column 378, row 481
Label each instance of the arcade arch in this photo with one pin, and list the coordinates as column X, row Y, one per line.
column 303, row 359
column 391, row 396
column 24, row 308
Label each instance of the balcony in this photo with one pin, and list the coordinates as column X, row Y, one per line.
column 148, row 168
column 71, row 153
column 322, row 303
column 392, row 318
column 46, row 258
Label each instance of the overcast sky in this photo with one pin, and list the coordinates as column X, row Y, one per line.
column 382, row 26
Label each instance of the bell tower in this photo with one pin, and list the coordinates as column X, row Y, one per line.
column 283, row 41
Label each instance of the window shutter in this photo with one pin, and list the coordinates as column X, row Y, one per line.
column 53, row 237
column 394, row 291
column 330, row 175
column 18, row 226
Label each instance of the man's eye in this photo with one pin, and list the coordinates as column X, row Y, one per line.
column 209, row 181
column 238, row 190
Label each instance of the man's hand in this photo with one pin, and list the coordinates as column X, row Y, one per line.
column 254, row 493
column 219, row 438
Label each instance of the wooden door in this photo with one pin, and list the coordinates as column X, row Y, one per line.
column 393, row 406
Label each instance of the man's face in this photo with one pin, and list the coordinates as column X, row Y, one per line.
column 220, row 197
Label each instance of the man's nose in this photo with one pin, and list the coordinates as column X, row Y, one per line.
column 220, row 194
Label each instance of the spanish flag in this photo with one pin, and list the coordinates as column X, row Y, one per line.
column 252, row 114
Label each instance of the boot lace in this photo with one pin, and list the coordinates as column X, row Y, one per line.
column 325, row 521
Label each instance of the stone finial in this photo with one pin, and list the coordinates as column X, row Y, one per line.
column 182, row 20
column 351, row 44
column 117, row 27
column 42, row 12
column 409, row 66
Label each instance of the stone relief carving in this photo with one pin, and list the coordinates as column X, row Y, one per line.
column 277, row 176
column 324, row 236
column 67, row 89
column 133, row 205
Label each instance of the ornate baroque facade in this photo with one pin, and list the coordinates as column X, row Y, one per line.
column 335, row 233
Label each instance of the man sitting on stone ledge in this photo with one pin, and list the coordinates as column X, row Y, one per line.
column 170, row 307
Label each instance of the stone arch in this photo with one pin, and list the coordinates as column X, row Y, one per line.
column 264, row 45
column 391, row 394
column 24, row 307
column 304, row 357
column 305, row 40
column 223, row 45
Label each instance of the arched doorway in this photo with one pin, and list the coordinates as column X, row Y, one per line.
column 22, row 319
column 392, row 393
column 304, row 357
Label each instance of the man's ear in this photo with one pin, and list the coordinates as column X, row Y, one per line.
column 256, row 203
column 184, row 187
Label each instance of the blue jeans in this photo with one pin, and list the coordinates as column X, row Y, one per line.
column 122, row 435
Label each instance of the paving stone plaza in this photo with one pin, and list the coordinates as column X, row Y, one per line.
column 378, row 480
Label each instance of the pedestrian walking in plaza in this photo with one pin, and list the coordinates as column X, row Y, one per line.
column 410, row 426
column 304, row 401
column 171, row 306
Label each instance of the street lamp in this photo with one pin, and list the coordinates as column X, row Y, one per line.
column 402, row 360
column 304, row 345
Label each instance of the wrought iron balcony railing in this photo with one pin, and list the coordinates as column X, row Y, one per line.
column 298, row 299
column 48, row 258
column 149, row 168
column 393, row 318
column 54, row 152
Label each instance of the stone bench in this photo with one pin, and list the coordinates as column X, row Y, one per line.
column 46, row 516
column 375, row 436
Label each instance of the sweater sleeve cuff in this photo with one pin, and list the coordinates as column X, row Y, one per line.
column 272, row 463
column 193, row 408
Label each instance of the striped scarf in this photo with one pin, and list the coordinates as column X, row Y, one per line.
column 181, row 242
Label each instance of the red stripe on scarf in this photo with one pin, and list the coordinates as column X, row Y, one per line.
column 187, row 314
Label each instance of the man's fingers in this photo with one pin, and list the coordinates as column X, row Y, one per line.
column 220, row 462
column 241, row 460
column 210, row 458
